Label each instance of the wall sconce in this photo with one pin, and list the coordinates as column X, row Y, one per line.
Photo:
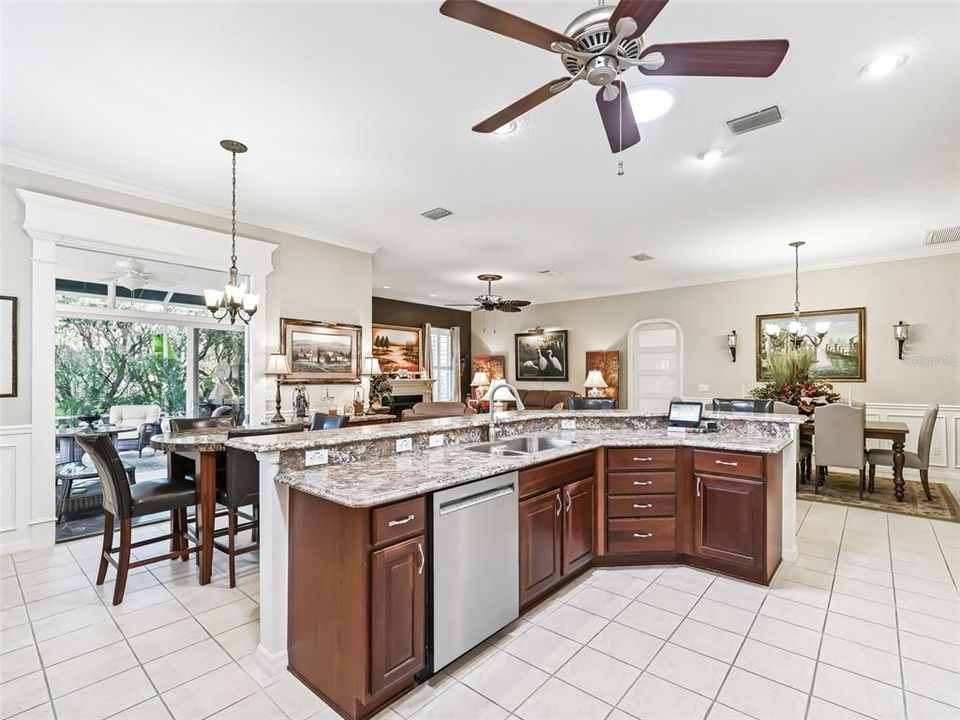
column 732, row 344
column 901, row 331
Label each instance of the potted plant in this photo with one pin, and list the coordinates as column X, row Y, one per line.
column 790, row 382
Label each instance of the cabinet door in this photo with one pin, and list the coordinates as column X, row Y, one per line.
column 540, row 542
column 578, row 524
column 728, row 523
column 398, row 611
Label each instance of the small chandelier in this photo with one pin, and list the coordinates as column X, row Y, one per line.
column 234, row 300
column 796, row 332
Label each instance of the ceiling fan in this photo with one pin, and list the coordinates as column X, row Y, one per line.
column 603, row 42
column 133, row 275
column 489, row 302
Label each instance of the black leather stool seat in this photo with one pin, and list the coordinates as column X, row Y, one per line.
column 154, row 496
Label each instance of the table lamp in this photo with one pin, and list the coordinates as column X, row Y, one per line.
column 480, row 381
column 594, row 383
column 277, row 365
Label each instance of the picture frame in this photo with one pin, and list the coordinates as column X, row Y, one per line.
column 320, row 352
column 9, row 326
column 541, row 356
column 398, row 347
column 495, row 366
column 608, row 363
column 841, row 357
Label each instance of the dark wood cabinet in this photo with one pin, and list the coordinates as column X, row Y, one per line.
column 578, row 517
column 397, row 599
column 728, row 519
column 541, row 542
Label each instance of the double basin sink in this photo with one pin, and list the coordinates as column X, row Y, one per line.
column 522, row 445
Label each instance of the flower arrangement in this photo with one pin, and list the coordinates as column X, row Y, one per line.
column 790, row 382
column 380, row 390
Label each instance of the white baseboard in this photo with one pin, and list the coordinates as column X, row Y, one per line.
column 273, row 664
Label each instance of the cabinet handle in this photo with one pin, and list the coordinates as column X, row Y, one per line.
column 559, row 503
column 643, row 536
column 423, row 560
column 569, row 499
column 721, row 462
column 643, row 507
column 643, row 459
column 643, row 482
column 402, row 521
column 698, row 486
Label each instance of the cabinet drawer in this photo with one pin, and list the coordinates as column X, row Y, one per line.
column 641, row 458
column 399, row 520
column 641, row 535
column 636, row 506
column 555, row 474
column 641, row 483
column 728, row 463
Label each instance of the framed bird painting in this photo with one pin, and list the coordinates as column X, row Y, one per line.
column 541, row 355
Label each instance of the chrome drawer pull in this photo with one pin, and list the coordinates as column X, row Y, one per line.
column 698, row 486
column 721, row 462
column 404, row 521
column 559, row 503
column 569, row 500
column 646, row 459
column 643, row 507
column 643, row 482
column 423, row 560
column 642, row 536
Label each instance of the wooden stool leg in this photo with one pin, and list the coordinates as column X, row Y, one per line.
column 863, row 482
column 255, row 534
column 185, row 524
column 174, row 531
column 123, row 563
column 873, row 475
column 231, row 544
column 107, row 546
column 925, row 479
column 184, row 539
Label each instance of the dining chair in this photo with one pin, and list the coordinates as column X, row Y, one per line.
column 919, row 460
column 840, row 441
column 125, row 502
column 322, row 421
column 744, row 405
column 804, row 448
column 183, row 424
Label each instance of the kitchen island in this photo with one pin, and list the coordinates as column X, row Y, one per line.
column 346, row 544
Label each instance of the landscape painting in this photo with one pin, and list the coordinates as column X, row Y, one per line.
column 493, row 365
column 608, row 363
column 841, row 354
column 541, row 355
column 320, row 352
column 397, row 348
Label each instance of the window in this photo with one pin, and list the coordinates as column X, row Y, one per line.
column 441, row 349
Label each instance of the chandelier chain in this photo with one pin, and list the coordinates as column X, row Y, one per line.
column 233, row 215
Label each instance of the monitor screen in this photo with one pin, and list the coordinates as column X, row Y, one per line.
column 685, row 414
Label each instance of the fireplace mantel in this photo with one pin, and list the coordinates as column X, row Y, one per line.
column 410, row 386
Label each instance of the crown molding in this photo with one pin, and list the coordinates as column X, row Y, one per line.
column 73, row 173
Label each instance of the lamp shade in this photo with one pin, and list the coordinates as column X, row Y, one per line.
column 594, row 380
column 371, row 366
column 498, row 392
column 480, row 379
column 901, row 331
column 277, row 365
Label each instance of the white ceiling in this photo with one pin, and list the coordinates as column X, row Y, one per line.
column 358, row 114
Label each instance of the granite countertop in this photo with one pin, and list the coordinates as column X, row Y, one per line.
column 207, row 439
column 383, row 480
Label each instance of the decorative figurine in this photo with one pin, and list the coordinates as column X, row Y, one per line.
column 301, row 401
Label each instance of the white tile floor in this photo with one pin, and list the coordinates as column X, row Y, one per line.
column 866, row 623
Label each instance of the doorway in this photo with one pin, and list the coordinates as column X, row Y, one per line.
column 655, row 364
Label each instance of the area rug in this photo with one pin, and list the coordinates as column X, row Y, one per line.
column 844, row 489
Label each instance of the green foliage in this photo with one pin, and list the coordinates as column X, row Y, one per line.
column 786, row 366
column 790, row 381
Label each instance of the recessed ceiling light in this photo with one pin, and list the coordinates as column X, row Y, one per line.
column 711, row 156
column 433, row 294
column 506, row 129
column 650, row 102
column 385, row 287
column 883, row 65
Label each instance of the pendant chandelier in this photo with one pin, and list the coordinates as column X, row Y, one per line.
column 796, row 332
column 233, row 300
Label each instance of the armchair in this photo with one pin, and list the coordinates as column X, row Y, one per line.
column 144, row 421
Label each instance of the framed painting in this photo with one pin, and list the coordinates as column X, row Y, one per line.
column 608, row 363
column 398, row 348
column 8, row 345
column 841, row 356
column 541, row 355
column 320, row 352
column 495, row 366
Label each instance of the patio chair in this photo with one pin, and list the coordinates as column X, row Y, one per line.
column 146, row 420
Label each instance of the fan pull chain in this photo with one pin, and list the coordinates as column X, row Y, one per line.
column 620, row 114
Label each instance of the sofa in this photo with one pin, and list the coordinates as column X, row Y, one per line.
column 545, row 399
column 431, row 410
column 144, row 421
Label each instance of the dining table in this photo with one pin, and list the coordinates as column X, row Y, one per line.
column 66, row 438
column 198, row 453
column 896, row 432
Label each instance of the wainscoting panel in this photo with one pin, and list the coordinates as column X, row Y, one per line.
column 15, row 488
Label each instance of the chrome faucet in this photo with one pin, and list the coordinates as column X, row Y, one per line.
column 498, row 388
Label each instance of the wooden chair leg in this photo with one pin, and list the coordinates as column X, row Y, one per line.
column 184, row 538
column 123, row 562
column 107, row 546
column 184, row 525
column 255, row 533
column 925, row 479
column 863, row 482
column 873, row 476
column 174, row 531
column 817, row 482
column 231, row 544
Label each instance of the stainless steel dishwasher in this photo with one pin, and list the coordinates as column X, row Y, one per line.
column 476, row 574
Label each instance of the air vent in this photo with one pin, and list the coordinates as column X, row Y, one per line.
column 755, row 121
column 436, row 213
column 942, row 236
column 642, row 257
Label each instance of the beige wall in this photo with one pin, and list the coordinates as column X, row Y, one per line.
column 310, row 280
column 923, row 292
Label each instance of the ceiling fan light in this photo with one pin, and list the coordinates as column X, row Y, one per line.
column 507, row 129
column 883, row 65
column 711, row 156
column 650, row 102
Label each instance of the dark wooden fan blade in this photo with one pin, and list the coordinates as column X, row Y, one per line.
column 515, row 303
column 622, row 132
column 503, row 23
column 733, row 58
column 521, row 106
column 469, row 305
column 507, row 308
column 642, row 11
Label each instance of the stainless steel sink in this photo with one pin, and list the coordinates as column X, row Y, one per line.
column 523, row 445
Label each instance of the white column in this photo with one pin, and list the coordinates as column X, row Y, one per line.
column 789, row 483
column 272, row 651
column 43, row 399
